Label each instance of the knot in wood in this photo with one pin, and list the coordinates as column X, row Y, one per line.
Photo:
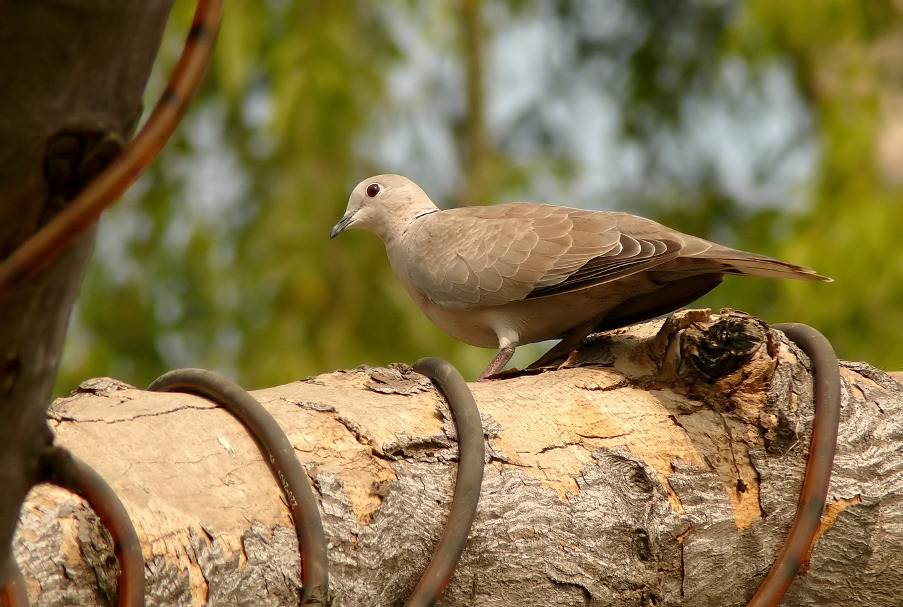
column 722, row 348
column 73, row 158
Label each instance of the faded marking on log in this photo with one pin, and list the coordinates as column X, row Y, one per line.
column 653, row 358
column 551, row 430
column 832, row 511
column 724, row 445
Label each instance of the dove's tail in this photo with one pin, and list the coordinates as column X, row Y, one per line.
column 751, row 264
column 723, row 260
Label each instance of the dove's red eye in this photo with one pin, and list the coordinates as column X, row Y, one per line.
column 372, row 190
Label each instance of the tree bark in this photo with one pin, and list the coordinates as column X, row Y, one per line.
column 72, row 81
column 663, row 468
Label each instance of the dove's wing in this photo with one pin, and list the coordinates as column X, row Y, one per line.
column 488, row 256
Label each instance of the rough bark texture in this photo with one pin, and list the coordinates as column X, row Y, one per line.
column 663, row 469
column 70, row 94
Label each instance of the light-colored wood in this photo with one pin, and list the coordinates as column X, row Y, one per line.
column 663, row 468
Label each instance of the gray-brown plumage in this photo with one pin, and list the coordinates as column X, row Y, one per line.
column 517, row 273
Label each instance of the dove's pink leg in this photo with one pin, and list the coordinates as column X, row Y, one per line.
column 499, row 362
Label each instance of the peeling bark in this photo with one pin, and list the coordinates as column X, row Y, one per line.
column 663, row 468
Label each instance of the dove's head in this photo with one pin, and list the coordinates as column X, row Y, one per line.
column 384, row 205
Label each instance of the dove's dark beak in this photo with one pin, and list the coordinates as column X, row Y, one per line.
column 340, row 227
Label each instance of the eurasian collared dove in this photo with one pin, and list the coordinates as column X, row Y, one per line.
column 523, row 272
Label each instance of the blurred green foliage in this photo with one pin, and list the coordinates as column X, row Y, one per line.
column 219, row 257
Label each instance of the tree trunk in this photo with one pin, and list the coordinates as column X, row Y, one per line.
column 663, row 469
column 70, row 94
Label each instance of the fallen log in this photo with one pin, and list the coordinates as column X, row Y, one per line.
column 663, row 467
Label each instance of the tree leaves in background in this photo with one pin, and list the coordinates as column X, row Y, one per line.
column 765, row 126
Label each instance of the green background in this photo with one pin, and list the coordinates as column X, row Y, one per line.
column 772, row 127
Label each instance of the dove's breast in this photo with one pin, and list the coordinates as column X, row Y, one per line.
column 519, row 322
